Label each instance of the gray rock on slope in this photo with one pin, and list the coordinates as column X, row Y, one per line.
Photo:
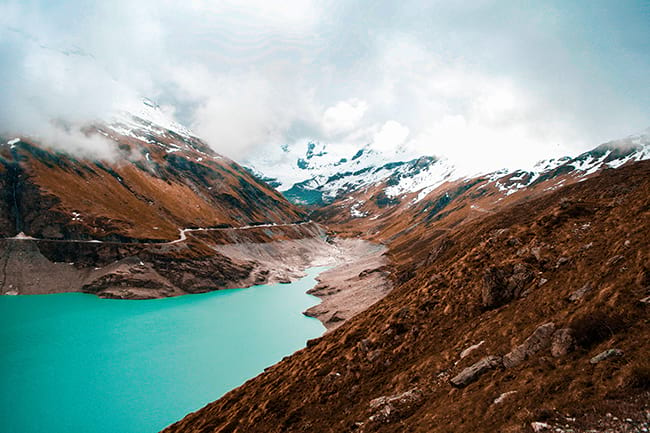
column 503, row 284
column 474, row 371
column 605, row 355
column 562, row 342
column 389, row 408
column 538, row 340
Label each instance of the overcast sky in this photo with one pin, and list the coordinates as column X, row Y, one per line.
column 496, row 83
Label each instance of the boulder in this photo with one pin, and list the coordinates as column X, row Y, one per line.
column 538, row 340
column 580, row 293
column 562, row 342
column 500, row 399
column 474, row 371
column 605, row 355
column 503, row 284
column 391, row 408
column 540, row 426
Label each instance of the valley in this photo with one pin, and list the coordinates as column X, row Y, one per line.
column 520, row 295
column 533, row 316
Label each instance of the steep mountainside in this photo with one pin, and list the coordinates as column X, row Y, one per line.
column 446, row 202
column 368, row 179
column 528, row 318
column 161, row 179
column 147, row 223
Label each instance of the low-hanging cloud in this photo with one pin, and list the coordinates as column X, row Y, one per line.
column 425, row 78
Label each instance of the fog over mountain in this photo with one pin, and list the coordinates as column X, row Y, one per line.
column 490, row 85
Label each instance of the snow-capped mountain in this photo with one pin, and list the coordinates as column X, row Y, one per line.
column 159, row 177
column 321, row 177
column 612, row 154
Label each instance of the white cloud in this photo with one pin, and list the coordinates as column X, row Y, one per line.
column 390, row 137
column 433, row 76
column 288, row 13
column 344, row 116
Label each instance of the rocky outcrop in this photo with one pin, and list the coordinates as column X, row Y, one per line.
column 540, row 339
column 503, row 284
column 562, row 342
column 474, row 371
column 388, row 409
column 580, row 293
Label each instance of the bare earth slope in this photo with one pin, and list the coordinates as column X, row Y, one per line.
column 535, row 315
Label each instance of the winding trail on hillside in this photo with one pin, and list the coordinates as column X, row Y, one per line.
column 181, row 238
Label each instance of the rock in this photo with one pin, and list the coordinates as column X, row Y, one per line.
column 390, row 408
column 470, row 349
column 586, row 246
column 474, row 371
column 539, row 426
column 365, row 345
column 562, row 342
column 607, row 354
column 494, row 293
column 502, row 284
column 580, row 293
column 513, row 242
column 500, row 399
column 538, row 340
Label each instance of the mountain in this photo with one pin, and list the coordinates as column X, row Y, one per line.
column 532, row 317
column 519, row 303
column 322, row 177
column 433, row 189
column 151, row 220
column 160, row 179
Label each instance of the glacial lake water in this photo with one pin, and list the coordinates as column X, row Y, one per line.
column 75, row 363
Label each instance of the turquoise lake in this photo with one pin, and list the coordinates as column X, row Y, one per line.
column 75, row 363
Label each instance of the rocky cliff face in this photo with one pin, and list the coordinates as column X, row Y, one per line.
column 530, row 317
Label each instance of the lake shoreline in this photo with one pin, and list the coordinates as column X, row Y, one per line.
column 349, row 261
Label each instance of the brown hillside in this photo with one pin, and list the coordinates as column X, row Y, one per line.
column 48, row 194
column 546, row 285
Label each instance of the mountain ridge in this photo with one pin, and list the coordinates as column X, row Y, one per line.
column 328, row 180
